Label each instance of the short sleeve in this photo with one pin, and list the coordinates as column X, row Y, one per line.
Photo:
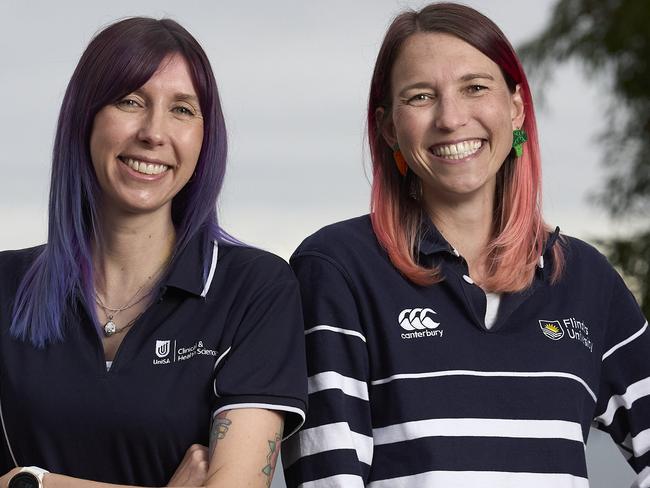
column 264, row 367
column 623, row 406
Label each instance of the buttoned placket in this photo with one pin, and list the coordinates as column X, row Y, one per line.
column 435, row 250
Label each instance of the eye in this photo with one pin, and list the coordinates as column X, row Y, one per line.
column 128, row 103
column 475, row 89
column 420, row 99
column 184, row 110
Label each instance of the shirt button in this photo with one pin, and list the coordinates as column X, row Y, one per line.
column 468, row 279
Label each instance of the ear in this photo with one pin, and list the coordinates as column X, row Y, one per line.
column 385, row 126
column 517, row 110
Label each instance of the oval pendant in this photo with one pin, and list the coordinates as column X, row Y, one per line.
column 109, row 328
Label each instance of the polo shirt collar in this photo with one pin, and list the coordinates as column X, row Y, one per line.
column 187, row 269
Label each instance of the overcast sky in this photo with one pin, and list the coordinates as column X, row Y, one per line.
column 293, row 78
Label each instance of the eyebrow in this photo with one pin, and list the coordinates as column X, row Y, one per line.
column 186, row 97
column 474, row 76
column 179, row 96
column 413, row 86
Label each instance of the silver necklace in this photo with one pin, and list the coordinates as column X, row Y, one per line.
column 110, row 328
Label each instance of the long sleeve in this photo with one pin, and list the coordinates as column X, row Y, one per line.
column 623, row 407
column 335, row 446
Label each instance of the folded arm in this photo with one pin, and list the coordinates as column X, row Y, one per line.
column 244, row 446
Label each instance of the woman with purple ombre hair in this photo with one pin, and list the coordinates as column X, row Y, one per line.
column 142, row 345
column 453, row 338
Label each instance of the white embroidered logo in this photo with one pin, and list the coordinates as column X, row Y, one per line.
column 168, row 352
column 162, row 349
column 417, row 319
column 575, row 329
column 419, row 323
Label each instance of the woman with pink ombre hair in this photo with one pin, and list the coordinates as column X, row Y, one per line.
column 453, row 338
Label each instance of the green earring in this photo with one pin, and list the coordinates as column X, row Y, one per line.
column 519, row 136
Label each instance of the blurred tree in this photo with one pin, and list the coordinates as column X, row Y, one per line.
column 612, row 38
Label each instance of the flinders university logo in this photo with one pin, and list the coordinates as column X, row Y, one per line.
column 162, row 349
column 419, row 323
column 575, row 329
column 552, row 329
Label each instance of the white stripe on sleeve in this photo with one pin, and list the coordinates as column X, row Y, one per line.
column 329, row 437
column 338, row 330
column 633, row 392
column 643, row 479
column 479, row 427
column 626, row 341
column 484, row 479
column 337, row 481
column 641, row 443
column 330, row 380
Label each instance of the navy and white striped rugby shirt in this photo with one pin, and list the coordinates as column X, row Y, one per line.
column 407, row 388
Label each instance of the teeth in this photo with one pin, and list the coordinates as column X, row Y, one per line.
column 458, row 151
column 146, row 168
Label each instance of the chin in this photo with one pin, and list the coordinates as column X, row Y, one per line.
column 137, row 205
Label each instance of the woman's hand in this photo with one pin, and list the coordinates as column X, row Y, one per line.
column 193, row 469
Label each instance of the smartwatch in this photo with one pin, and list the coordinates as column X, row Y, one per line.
column 28, row 477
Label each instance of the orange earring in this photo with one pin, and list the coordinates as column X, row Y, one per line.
column 402, row 167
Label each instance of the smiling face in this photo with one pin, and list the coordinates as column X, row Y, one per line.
column 145, row 147
column 452, row 116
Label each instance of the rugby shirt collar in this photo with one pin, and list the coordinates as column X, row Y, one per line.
column 431, row 240
column 187, row 271
column 546, row 256
column 550, row 242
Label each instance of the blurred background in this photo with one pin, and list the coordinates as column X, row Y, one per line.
column 294, row 77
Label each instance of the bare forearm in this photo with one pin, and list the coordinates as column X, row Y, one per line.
column 244, row 448
column 53, row 480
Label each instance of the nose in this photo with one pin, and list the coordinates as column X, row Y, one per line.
column 450, row 114
column 152, row 131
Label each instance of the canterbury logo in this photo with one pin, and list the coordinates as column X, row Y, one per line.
column 417, row 319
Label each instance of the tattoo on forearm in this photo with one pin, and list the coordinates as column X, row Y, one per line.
column 271, row 459
column 219, row 429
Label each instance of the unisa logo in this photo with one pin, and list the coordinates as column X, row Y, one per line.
column 162, row 348
column 419, row 322
column 552, row 329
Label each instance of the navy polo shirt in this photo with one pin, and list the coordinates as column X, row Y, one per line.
column 231, row 339
column 408, row 388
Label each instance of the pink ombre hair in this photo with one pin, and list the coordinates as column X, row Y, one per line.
column 520, row 233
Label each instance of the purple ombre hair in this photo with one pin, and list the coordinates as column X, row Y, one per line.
column 119, row 60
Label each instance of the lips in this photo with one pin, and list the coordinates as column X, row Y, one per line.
column 458, row 150
column 144, row 167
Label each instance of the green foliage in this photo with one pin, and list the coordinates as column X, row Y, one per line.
column 611, row 38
